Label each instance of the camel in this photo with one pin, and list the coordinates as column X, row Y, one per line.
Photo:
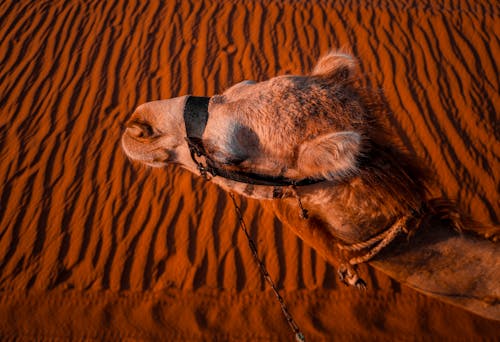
column 316, row 148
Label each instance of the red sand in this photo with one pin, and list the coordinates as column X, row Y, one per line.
column 92, row 246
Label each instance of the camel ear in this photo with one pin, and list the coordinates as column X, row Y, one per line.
column 329, row 155
column 335, row 66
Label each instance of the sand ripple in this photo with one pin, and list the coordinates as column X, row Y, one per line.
column 77, row 218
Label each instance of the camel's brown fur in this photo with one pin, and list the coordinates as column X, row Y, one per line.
column 323, row 125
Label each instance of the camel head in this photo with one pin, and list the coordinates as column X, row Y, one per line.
column 321, row 140
column 298, row 127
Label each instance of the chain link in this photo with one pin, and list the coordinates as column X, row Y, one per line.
column 299, row 336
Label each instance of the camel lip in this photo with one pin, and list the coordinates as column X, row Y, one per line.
column 155, row 164
column 141, row 150
column 152, row 162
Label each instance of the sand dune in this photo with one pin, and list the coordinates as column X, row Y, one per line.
column 92, row 246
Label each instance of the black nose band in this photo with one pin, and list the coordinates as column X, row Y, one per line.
column 196, row 115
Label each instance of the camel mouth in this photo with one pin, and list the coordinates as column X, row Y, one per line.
column 141, row 130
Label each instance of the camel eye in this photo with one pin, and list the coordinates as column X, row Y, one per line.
column 140, row 129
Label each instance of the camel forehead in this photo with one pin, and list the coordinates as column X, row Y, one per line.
column 275, row 84
column 260, row 106
column 284, row 105
column 273, row 90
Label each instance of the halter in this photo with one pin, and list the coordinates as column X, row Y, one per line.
column 195, row 119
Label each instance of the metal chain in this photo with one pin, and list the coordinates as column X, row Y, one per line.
column 299, row 336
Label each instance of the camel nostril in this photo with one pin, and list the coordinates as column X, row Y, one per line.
column 140, row 129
